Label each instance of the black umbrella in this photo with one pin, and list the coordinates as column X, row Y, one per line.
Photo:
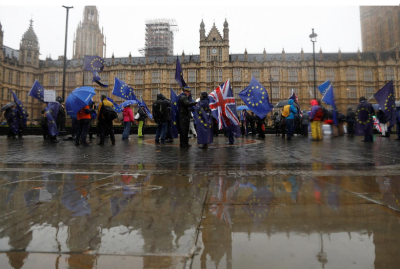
column 7, row 106
column 284, row 103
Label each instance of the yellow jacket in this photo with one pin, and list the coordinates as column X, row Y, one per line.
column 106, row 103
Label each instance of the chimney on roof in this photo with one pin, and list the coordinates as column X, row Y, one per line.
column 320, row 54
column 340, row 55
column 302, row 54
column 283, row 54
column 245, row 54
column 112, row 59
column 264, row 55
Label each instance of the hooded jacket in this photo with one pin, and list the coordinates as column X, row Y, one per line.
column 314, row 109
column 350, row 116
column 165, row 107
column 128, row 115
column 292, row 110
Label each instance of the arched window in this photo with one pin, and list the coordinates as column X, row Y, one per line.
column 29, row 59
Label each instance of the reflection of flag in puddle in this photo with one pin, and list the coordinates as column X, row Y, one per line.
column 257, row 204
column 220, row 200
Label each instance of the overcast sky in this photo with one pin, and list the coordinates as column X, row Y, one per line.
column 254, row 27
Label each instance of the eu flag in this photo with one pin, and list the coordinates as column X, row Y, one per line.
column 145, row 108
column 179, row 74
column 255, row 96
column 328, row 97
column 204, row 122
column 95, row 64
column 174, row 114
column 386, row 100
column 37, row 91
column 51, row 115
column 123, row 90
column 117, row 108
column 21, row 115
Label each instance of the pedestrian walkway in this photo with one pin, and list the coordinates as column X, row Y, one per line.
column 256, row 204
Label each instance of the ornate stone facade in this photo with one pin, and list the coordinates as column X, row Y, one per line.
column 380, row 28
column 89, row 39
column 353, row 74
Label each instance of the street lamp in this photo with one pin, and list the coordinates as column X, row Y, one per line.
column 313, row 38
column 65, row 54
column 270, row 85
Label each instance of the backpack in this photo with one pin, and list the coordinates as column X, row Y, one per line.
column 157, row 111
column 286, row 111
column 319, row 114
column 108, row 112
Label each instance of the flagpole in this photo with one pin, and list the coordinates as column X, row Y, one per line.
column 65, row 53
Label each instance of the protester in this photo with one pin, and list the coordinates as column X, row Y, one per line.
column 350, row 120
column 161, row 115
column 184, row 117
column 142, row 120
column 62, row 113
column 315, row 118
column 245, row 123
column 191, row 126
column 341, row 120
column 8, row 114
column 204, row 127
column 215, row 126
column 324, row 117
column 364, row 121
column 383, row 120
column 43, row 124
column 289, row 112
column 19, row 121
column 84, row 119
column 252, row 121
column 283, row 125
column 93, row 116
column 128, row 119
column 276, row 121
column 260, row 127
column 105, row 124
column 305, row 121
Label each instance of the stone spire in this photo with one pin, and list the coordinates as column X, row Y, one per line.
column 29, row 47
column 202, row 31
column 226, row 30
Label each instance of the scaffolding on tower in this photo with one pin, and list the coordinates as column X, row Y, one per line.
column 159, row 37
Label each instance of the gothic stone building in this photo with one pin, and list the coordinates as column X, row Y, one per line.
column 353, row 74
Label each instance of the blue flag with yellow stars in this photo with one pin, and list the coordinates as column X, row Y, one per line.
column 386, row 100
column 255, row 96
column 179, row 74
column 20, row 114
column 328, row 97
column 51, row 113
column 364, row 121
column 117, row 108
column 123, row 90
column 95, row 64
column 174, row 114
column 143, row 105
column 37, row 91
column 204, row 122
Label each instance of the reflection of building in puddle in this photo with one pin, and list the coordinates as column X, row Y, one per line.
column 390, row 190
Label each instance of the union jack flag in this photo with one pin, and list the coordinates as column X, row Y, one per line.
column 223, row 107
column 296, row 100
column 376, row 124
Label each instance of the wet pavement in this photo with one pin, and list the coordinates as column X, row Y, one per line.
column 256, row 204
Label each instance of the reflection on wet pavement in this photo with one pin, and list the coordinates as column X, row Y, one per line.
column 137, row 219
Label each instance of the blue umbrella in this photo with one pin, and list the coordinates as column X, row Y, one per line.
column 79, row 98
column 128, row 103
column 242, row 108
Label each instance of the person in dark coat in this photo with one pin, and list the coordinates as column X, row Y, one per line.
column 8, row 114
column 350, row 120
column 252, row 122
column 305, row 121
column 62, row 113
column 204, row 121
column 19, row 122
column 364, row 120
column 142, row 120
column 276, row 121
column 184, row 117
column 43, row 124
column 161, row 114
column 383, row 120
column 283, row 125
column 260, row 124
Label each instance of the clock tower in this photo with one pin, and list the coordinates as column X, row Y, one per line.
column 214, row 47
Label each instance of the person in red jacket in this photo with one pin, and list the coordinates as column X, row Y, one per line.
column 84, row 119
column 128, row 119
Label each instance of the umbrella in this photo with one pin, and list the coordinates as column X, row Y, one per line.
column 284, row 103
column 242, row 108
column 7, row 106
column 128, row 103
column 79, row 98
